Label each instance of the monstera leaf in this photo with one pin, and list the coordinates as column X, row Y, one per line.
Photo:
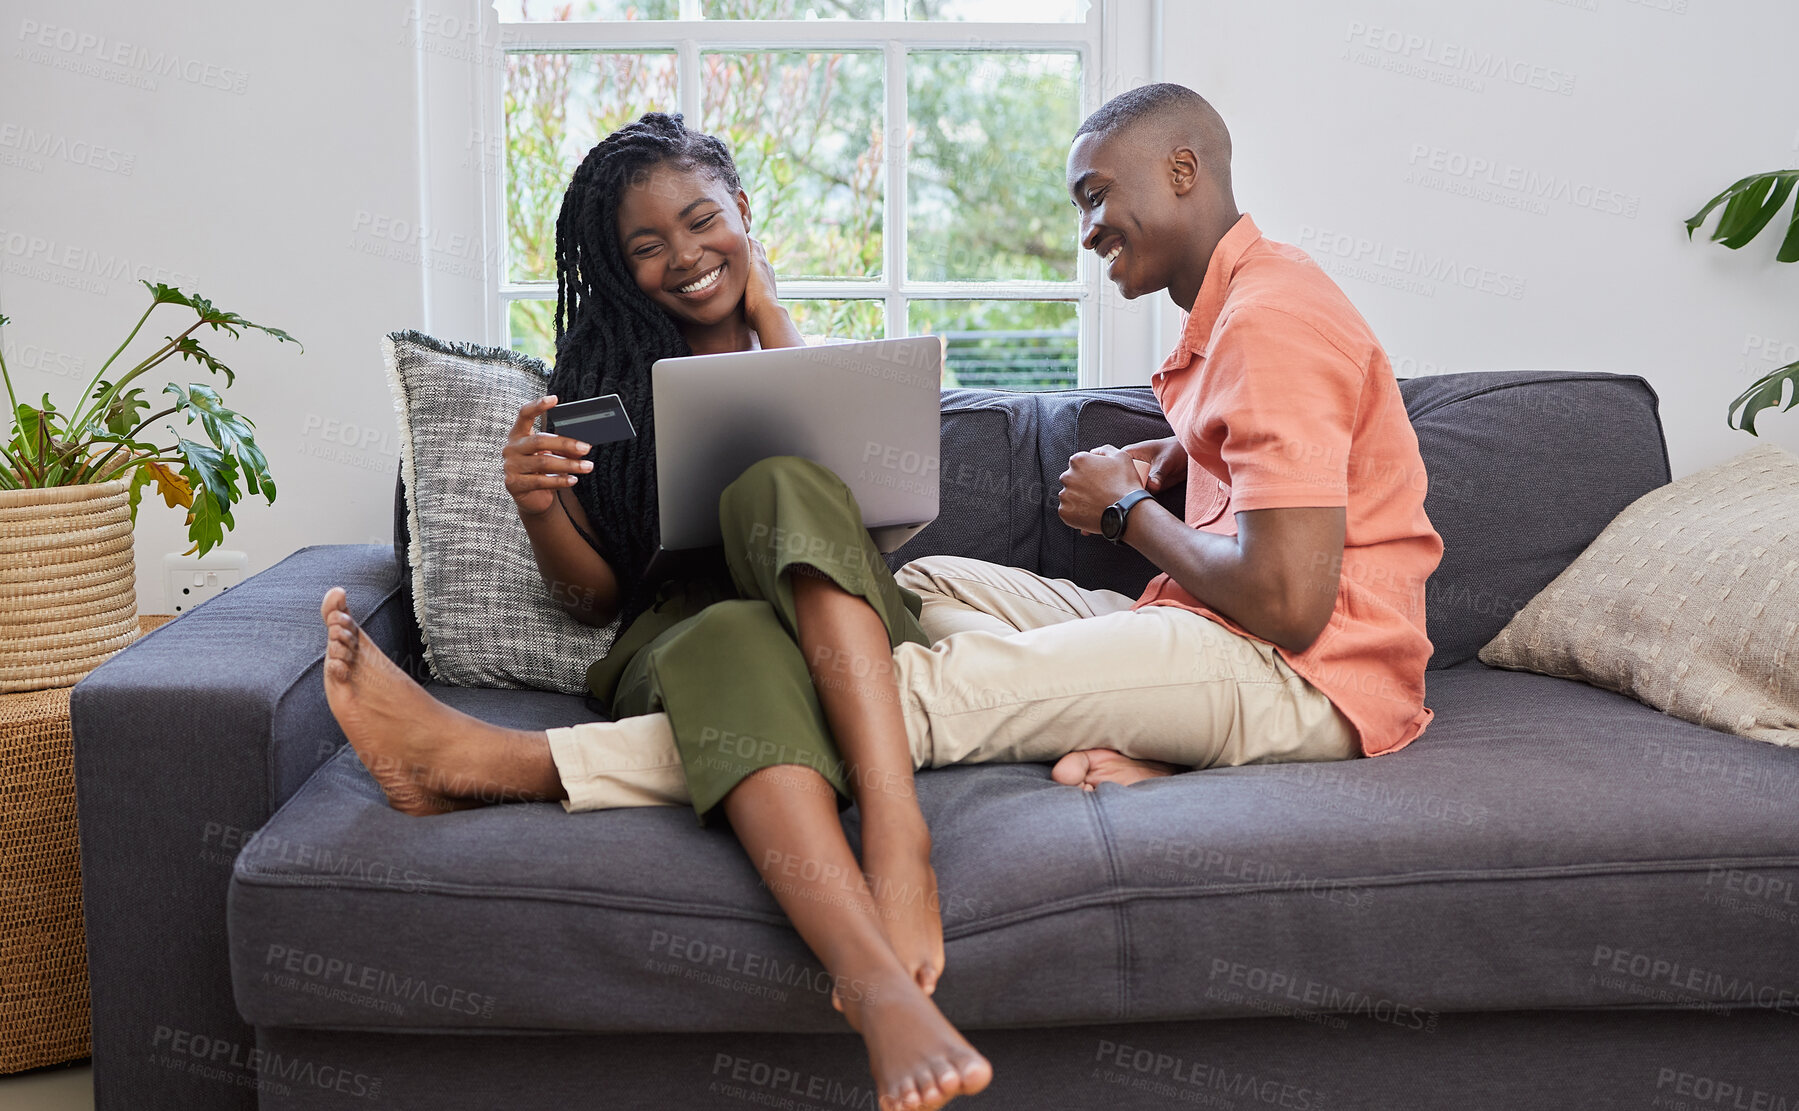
column 1750, row 205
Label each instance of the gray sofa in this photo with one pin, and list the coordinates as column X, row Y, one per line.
column 1555, row 898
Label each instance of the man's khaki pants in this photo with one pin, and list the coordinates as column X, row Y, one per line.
column 1024, row 668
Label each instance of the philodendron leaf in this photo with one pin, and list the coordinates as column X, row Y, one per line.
column 122, row 411
column 173, row 488
column 212, row 476
column 1765, row 393
column 161, row 294
column 220, row 320
column 230, row 430
column 189, row 348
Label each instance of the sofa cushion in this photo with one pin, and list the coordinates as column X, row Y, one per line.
column 1079, row 420
column 1687, row 602
column 1526, row 468
column 989, row 482
column 480, row 603
column 1546, row 844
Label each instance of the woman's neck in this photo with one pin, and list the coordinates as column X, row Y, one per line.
column 730, row 334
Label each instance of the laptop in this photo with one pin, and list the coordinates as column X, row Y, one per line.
column 871, row 412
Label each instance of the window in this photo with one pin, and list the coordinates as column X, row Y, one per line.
column 904, row 159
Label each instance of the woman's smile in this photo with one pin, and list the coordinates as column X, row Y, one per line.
column 702, row 287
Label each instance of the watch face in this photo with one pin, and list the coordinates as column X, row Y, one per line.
column 1111, row 522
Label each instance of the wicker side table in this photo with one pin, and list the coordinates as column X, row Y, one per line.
column 43, row 951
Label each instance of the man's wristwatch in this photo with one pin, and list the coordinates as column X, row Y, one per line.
column 1112, row 517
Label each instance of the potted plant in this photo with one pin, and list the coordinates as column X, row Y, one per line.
column 1749, row 206
column 70, row 483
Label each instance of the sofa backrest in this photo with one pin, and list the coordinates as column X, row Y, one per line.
column 1526, row 468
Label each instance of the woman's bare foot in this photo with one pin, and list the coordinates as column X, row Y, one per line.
column 425, row 755
column 897, row 864
column 918, row 1059
column 1092, row 766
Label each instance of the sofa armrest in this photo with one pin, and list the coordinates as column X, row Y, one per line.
column 185, row 743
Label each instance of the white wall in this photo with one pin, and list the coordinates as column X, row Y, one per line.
column 293, row 196
column 1337, row 109
column 249, row 197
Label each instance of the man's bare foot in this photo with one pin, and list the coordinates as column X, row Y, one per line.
column 418, row 749
column 1090, row 767
column 918, row 1059
column 898, row 867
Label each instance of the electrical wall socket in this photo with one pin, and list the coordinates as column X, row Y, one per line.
column 191, row 580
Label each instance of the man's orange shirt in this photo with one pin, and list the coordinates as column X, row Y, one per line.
column 1283, row 398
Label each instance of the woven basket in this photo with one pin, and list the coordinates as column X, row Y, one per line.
column 43, row 955
column 68, row 583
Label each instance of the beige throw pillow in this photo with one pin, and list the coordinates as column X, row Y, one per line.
column 1687, row 602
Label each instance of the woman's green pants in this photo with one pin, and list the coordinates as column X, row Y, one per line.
column 719, row 651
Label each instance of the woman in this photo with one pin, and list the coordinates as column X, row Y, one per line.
column 654, row 259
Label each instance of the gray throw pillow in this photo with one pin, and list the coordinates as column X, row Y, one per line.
column 1687, row 602
column 483, row 609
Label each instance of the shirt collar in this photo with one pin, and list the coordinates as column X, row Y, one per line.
column 1215, row 287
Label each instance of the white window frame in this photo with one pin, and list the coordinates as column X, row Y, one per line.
column 1117, row 45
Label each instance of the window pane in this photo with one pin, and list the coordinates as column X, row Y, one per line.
column 533, row 328
column 1001, row 11
column 557, row 107
column 985, row 192
column 1005, row 345
column 582, row 11
column 839, row 319
column 792, row 9
column 805, row 130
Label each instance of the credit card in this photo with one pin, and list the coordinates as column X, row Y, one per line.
column 593, row 420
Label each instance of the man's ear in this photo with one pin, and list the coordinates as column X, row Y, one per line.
column 743, row 208
column 1184, row 166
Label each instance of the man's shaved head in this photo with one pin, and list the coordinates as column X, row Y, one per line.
column 1167, row 115
column 1150, row 175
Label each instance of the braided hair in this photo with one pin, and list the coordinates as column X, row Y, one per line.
column 609, row 332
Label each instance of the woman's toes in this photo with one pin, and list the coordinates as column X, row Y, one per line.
column 948, row 1079
column 927, row 978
